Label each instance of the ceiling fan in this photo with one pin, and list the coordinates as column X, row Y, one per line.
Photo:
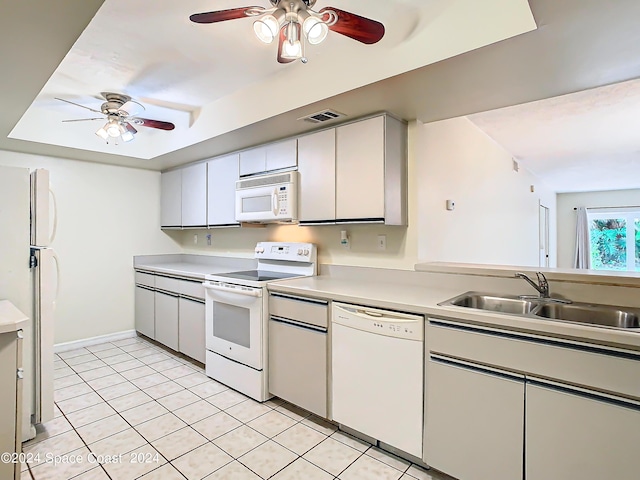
column 120, row 111
column 292, row 21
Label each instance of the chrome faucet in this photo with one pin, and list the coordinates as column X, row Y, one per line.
column 542, row 286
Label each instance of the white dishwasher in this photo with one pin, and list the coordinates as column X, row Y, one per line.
column 377, row 365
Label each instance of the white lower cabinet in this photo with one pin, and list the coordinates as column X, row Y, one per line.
column 166, row 319
column 541, row 423
column 474, row 421
column 577, row 434
column 145, row 311
column 171, row 311
column 191, row 328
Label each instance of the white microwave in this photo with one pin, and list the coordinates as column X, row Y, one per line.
column 268, row 198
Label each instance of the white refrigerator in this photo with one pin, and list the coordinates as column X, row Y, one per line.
column 29, row 278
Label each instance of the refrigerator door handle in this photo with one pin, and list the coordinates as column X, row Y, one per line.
column 54, row 228
column 57, row 262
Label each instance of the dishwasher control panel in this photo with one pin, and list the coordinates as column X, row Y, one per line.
column 382, row 322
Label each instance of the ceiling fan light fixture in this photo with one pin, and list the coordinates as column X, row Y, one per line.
column 127, row 136
column 102, row 133
column 292, row 47
column 315, row 30
column 113, row 129
column 266, row 28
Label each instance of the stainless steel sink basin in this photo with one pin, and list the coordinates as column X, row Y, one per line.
column 603, row 315
column 493, row 303
column 607, row 316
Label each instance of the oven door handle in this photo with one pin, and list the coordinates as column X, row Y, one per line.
column 249, row 293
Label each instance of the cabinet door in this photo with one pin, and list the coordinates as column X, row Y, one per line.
column 191, row 334
column 145, row 311
column 9, row 398
column 194, row 195
column 282, row 154
column 298, row 365
column 578, row 435
column 166, row 325
column 221, row 184
column 171, row 199
column 474, row 422
column 317, row 169
column 253, row 161
column 360, row 170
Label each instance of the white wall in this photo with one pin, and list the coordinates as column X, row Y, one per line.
column 496, row 215
column 107, row 214
column 567, row 215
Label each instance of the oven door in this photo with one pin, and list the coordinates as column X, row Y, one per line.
column 234, row 322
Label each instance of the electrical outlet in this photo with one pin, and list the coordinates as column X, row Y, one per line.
column 382, row 242
column 209, row 239
column 195, row 238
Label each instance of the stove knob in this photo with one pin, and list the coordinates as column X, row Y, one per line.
column 300, row 252
column 306, row 251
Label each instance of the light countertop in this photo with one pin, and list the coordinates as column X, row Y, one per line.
column 191, row 266
column 11, row 319
column 424, row 300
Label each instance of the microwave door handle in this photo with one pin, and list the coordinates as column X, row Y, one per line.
column 276, row 204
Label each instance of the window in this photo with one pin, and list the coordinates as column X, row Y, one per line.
column 614, row 235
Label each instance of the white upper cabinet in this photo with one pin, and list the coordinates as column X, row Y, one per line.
column 265, row 158
column 171, row 199
column 317, row 169
column 253, row 161
column 194, row 195
column 221, row 180
column 360, row 170
column 282, row 154
column 371, row 171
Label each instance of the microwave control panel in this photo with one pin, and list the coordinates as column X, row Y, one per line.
column 283, row 203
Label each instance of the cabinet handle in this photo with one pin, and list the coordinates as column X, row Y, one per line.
column 294, row 323
column 475, row 368
column 20, row 373
column 20, row 333
column 619, row 402
column 300, row 299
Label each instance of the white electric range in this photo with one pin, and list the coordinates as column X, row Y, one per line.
column 237, row 315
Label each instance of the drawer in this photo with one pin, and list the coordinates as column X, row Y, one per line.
column 146, row 279
column 168, row 284
column 183, row 287
column 578, row 364
column 193, row 289
column 303, row 309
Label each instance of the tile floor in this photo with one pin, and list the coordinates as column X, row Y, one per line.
column 131, row 409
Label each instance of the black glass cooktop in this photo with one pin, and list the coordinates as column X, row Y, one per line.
column 257, row 275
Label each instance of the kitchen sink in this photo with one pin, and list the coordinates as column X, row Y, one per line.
column 493, row 303
column 607, row 316
column 604, row 315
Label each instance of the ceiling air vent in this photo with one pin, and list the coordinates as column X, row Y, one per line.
column 323, row 116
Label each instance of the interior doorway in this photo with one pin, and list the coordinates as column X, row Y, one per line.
column 544, row 236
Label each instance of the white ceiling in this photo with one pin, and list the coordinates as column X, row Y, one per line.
column 584, row 141
column 578, row 45
column 211, row 79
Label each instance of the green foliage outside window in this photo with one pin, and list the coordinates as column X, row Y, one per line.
column 609, row 244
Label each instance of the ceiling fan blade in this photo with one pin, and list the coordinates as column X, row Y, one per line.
column 219, row 15
column 146, row 122
column 77, row 104
column 131, row 108
column 354, row 26
column 129, row 127
column 283, row 38
column 83, row 119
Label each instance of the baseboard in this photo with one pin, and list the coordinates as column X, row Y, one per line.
column 87, row 342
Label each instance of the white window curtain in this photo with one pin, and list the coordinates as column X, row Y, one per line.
column 583, row 255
